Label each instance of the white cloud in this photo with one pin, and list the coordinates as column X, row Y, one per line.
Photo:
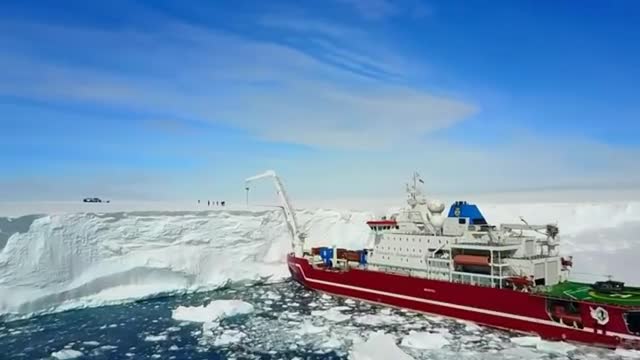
column 275, row 91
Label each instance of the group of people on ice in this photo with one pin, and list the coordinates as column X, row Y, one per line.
column 214, row 203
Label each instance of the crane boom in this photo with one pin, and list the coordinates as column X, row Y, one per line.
column 297, row 242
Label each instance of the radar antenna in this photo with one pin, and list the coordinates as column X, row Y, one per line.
column 297, row 241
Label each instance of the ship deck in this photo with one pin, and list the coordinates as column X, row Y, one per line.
column 630, row 296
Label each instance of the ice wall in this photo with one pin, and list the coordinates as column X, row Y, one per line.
column 62, row 261
column 56, row 262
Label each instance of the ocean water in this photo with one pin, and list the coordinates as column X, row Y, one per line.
column 288, row 322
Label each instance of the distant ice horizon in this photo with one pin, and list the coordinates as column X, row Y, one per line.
column 377, row 205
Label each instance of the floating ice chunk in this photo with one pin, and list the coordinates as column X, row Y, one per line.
column 215, row 310
column 424, row 341
column 108, row 347
column 379, row 346
column 634, row 354
column 332, row 343
column 332, row 314
column 272, row 295
column 471, row 327
column 308, row 328
column 555, row 347
column 173, row 329
column 377, row 320
column 519, row 353
column 530, row 341
column 229, row 337
column 90, row 343
column 156, row 338
column 174, row 348
column 66, row 354
column 208, row 327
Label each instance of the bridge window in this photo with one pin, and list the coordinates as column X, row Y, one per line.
column 462, row 221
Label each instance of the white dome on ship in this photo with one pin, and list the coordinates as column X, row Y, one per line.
column 435, row 206
column 437, row 220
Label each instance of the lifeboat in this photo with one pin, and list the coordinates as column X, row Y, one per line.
column 471, row 260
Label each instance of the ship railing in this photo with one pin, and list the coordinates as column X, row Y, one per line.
column 477, row 279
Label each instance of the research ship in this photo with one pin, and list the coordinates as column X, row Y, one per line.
column 455, row 264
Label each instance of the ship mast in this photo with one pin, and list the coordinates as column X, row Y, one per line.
column 297, row 241
column 416, row 197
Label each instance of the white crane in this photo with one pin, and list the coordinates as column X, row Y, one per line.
column 297, row 242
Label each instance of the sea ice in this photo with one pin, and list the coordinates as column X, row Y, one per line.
column 229, row 337
column 215, row 310
column 555, row 347
column 66, row 354
column 377, row 320
column 379, row 346
column 530, row 341
column 308, row 328
column 332, row 314
column 627, row 353
column 424, row 341
column 156, row 338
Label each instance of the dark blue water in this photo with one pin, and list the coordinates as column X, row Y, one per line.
column 289, row 322
column 119, row 332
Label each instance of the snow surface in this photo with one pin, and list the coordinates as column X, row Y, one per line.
column 214, row 311
column 66, row 260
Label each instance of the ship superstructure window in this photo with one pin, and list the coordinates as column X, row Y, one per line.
column 462, row 221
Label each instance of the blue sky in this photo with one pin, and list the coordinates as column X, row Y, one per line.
column 345, row 98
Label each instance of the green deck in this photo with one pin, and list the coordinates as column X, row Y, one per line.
column 580, row 291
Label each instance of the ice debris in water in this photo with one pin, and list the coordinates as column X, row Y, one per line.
column 66, row 354
column 550, row 347
column 308, row 328
column 215, row 310
column 156, row 338
column 530, row 341
column 424, row 341
column 379, row 346
column 332, row 314
column 229, row 337
column 633, row 354
column 555, row 347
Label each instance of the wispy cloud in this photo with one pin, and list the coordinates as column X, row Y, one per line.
column 332, row 95
column 382, row 9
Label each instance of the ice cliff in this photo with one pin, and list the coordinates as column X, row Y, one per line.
column 56, row 262
column 62, row 261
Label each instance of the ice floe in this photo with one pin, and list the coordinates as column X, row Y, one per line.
column 214, row 311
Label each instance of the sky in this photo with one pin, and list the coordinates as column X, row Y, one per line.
column 167, row 100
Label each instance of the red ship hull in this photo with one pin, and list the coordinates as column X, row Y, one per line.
column 499, row 308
